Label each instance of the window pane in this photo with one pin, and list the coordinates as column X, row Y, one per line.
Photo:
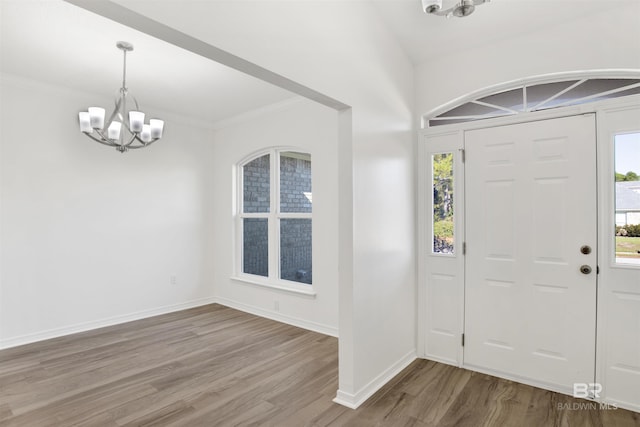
column 255, row 249
column 627, row 215
column 295, row 250
column 295, row 182
column 471, row 109
column 255, row 179
column 511, row 99
column 593, row 87
column 442, row 170
column 538, row 93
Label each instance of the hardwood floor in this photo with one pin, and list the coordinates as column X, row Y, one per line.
column 215, row 366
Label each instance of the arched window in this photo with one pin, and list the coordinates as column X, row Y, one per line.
column 536, row 94
column 275, row 218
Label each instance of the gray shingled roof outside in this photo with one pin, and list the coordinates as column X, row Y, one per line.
column 628, row 196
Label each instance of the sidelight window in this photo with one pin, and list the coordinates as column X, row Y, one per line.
column 442, row 202
column 627, row 198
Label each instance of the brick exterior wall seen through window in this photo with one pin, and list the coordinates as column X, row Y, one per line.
column 295, row 233
column 256, row 185
column 295, row 184
column 255, row 252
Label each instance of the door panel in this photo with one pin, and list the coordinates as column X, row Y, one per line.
column 444, row 272
column 619, row 287
column 531, row 206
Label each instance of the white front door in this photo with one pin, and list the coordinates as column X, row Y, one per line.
column 530, row 312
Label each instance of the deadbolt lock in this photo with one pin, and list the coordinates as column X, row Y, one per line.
column 585, row 269
column 585, row 249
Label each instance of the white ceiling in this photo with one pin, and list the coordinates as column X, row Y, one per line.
column 59, row 43
column 56, row 42
column 426, row 37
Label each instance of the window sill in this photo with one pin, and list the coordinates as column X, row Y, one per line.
column 266, row 283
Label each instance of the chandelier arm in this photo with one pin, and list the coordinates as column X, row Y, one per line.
column 114, row 114
column 101, row 141
column 101, row 133
column 135, row 101
column 134, row 136
column 144, row 144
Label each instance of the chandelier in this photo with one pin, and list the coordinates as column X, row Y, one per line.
column 125, row 128
column 460, row 9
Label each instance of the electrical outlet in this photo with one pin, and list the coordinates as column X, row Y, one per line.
column 173, row 280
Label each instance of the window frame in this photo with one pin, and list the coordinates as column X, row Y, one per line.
column 272, row 280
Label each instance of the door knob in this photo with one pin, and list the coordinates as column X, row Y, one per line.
column 586, row 249
column 585, row 269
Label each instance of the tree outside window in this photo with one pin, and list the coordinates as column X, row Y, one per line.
column 442, row 169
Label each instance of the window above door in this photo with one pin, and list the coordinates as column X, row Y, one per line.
column 535, row 94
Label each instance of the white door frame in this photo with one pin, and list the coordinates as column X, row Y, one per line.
column 434, row 140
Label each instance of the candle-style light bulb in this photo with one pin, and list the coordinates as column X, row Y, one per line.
column 145, row 135
column 136, row 120
column 113, row 132
column 85, row 122
column 156, row 128
column 96, row 117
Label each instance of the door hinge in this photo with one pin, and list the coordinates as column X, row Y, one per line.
column 597, row 269
column 463, row 340
column 464, row 156
column 464, row 248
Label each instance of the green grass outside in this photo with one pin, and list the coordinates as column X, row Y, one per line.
column 628, row 247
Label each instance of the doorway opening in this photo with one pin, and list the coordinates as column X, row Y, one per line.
column 498, row 223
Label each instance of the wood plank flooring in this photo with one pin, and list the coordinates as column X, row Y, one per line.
column 215, row 366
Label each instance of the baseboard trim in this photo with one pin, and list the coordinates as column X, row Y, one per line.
column 279, row 317
column 442, row 360
column 516, row 378
column 551, row 387
column 621, row 404
column 101, row 323
column 353, row 401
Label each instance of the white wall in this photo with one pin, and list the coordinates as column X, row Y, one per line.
column 312, row 128
column 91, row 236
column 342, row 50
column 607, row 40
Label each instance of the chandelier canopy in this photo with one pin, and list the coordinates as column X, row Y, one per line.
column 135, row 133
column 460, row 9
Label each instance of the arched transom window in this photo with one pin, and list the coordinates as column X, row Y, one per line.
column 536, row 95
